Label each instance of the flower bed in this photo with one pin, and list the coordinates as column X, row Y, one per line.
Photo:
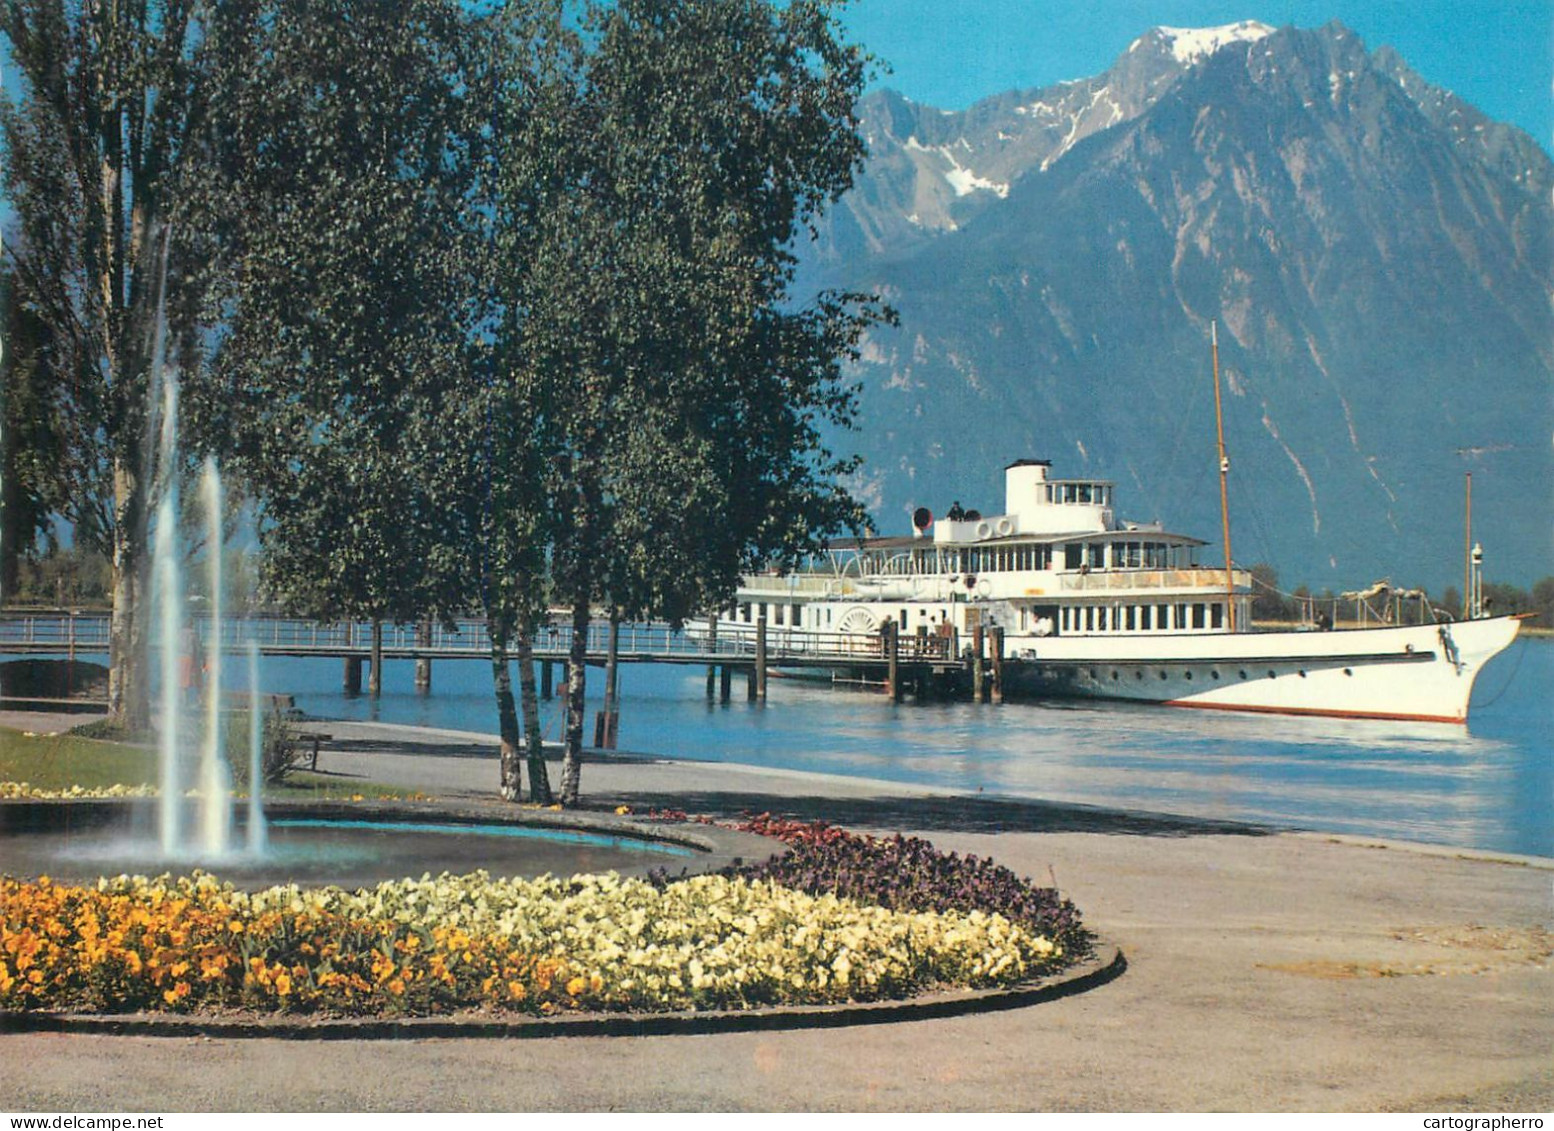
column 910, row 874
column 454, row 943
column 25, row 791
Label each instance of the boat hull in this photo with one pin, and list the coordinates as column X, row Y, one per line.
column 1423, row 673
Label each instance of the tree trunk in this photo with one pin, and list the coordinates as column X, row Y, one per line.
column 506, row 714
column 577, row 667
column 534, row 740
column 129, row 702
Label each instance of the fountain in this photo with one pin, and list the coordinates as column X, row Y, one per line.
column 178, row 653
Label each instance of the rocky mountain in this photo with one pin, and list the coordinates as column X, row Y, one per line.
column 1376, row 254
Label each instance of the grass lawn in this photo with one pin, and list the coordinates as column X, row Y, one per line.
column 58, row 761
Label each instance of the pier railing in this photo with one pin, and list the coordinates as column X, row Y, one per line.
column 65, row 633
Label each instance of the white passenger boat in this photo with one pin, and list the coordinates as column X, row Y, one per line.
column 1086, row 605
column 1092, row 606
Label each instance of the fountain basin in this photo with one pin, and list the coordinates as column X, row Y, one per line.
column 358, row 844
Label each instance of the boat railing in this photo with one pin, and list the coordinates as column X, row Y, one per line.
column 1162, row 579
column 796, row 584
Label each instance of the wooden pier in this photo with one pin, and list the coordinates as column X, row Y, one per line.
column 931, row 666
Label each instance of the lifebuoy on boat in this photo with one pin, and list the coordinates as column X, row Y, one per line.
column 984, row 530
column 1005, row 527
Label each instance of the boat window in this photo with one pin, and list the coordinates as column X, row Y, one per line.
column 744, row 611
column 1181, row 617
column 1198, row 615
column 1102, row 618
column 903, row 618
column 1217, row 614
column 1126, row 555
column 1090, row 618
column 776, row 614
column 1096, row 551
column 1084, row 492
column 1133, row 618
column 1073, row 555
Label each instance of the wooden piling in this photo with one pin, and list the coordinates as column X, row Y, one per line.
column 712, row 648
column 760, row 658
column 609, row 722
column 890, row 638
column 423, row 663
column 353, row 675
column 725, row 682
column 375, row 676
column 978, row 673
column 998, row 663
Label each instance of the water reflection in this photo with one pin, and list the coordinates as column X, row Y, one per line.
column 1489, row 785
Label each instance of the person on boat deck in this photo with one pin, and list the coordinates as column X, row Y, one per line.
column 957, row 512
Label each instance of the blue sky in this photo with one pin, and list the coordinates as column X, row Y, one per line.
column 1497, row 54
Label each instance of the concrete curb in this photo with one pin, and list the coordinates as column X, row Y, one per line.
column 1425, row 848
column 1105, row 965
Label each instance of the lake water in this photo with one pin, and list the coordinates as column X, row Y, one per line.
column 1489, row 785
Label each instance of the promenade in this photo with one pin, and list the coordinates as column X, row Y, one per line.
column 1267, row 971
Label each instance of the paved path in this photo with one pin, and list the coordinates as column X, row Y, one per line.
column 1267, row 972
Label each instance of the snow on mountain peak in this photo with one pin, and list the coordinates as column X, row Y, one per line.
column 1188, row 45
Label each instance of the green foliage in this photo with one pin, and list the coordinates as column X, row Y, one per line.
column 1268, row 602
column 66, row 576
column 1501, row 599
column 96, row 148
column 280, row 747
column 346, row 218
column 35, row 481
column 655, row 173
column 650, row 321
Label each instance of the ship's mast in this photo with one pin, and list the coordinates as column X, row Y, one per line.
column 1224, row 474
column 1468, row 612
